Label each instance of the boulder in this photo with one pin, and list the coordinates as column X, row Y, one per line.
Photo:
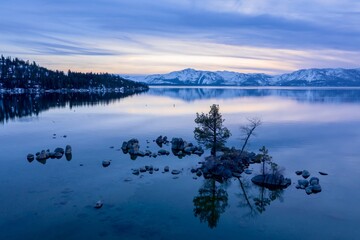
column 198, row 173
column 305, row 174
column 177, row 144
column 142, row 169
column 314, row 181
column 166, row 168
column 68, row 156
column 163, row 152
column 136, row 172
column 30, row 157
column 68, row 149
column 308, row 190
column 159, row 141
column 175, row 172
column 60, row 150
column 271, row 181
column 298, row 172
column 98, row 204
column 106, row 163
column 316, row 188
column 303, row 183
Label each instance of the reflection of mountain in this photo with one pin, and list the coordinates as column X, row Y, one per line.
column 301, row 95
column 22, row 105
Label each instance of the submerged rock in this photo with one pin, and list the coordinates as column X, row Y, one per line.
column 303, row 183
column 314, row 181
column 323, row 173
column 305, row 174
column 106, row 163
column 98, row 204
column 60, row 150
column 136, row 172
column 30, row 157
column 298, row 172
column 68, row 149
column 175, row 172
column 166, row 169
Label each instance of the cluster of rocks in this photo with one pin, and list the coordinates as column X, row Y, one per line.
column 133, row 148
column 160, row 140
column 150, row 169
column 225, row 165
column 311, row 186
column 58, row 153
column 181, row 148
column 272, row 181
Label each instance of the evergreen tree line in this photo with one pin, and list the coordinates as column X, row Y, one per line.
column 16, row 73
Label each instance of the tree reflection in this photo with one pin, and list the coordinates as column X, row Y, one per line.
column 210, row 203
column 23, row 105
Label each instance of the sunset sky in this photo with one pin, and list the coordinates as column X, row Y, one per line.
column 144, row 37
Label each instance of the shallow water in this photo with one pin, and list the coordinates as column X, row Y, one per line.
column 313, row 129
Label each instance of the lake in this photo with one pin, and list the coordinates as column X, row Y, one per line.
column 312, row 129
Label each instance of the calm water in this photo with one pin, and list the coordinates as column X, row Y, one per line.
column 311, row 129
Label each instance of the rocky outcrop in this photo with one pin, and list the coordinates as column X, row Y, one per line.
column 271, row 181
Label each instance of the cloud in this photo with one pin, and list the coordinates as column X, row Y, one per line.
column 306, row 31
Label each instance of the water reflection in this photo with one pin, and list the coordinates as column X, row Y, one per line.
column 326, row 95
column 212, row 200
column 14, row 106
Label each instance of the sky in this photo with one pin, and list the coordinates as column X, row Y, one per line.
column 159, row 36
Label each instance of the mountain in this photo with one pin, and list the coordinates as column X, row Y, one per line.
column 304, row 77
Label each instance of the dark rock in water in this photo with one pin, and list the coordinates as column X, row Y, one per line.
column 316, row 188
column 141, row 154
column 303, row 183
column 37, row 154
column 193, row 170
column 30, row 157
column 52, row 155
column 198, row 173
column 163, row 152
column 142, row 169
column 136, row 172
column 166, row 169
column 271, row 181
column 42, row 156
column 127, row 179
column 151, row 171
column 124, row 147
column 308, row 190
column 60, row 150
column 177, row 144
column 58, row 155
column 248, row 171
column 236, row 174
column 156, row 169
column 188, row 150
column 305, row 174
column 298, row 172
column 175, row 172
column 68, row 149
column 314, row 181
column 106, row 163
column 68, row 156
column 323, row 173
column 159, row 141
column 98, row 204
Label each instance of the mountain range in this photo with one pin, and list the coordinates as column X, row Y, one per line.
column 303, row 77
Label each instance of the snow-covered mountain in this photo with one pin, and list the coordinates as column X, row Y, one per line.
column 304, row 77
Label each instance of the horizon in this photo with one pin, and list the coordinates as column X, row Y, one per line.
column 143, row 38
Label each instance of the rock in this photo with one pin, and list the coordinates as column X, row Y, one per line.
column 199, row 152
column 314, row 181
column 60, row 150
column 236, row 174
column 151, row 171
column 175, row 172
column 124, row 147
column 154, row 155
column 316, row 188
column 248, row 171
column 305, row 174
column 30, row 157
column 37, row 154
column 303, row 183
column 52, row 155
column 142, row 169
column 195, row 178
column 42, row 156
column 198, row 173
column 141, row 154
column 177, row 144
column 98, row 204
column 308, row 190
column 58, row 155
column 193, row 170
column 159, row 141
column 128, row 179
column 323, row 173
column 163, row 152
column 106, row 163
column 188, row 150
column 136, row 172
column 298, row 172
column 156, row 169
column 68, row 156
column 271, row 181
column 166, row 169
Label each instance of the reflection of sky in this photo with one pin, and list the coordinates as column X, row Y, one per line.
column 271, row 109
